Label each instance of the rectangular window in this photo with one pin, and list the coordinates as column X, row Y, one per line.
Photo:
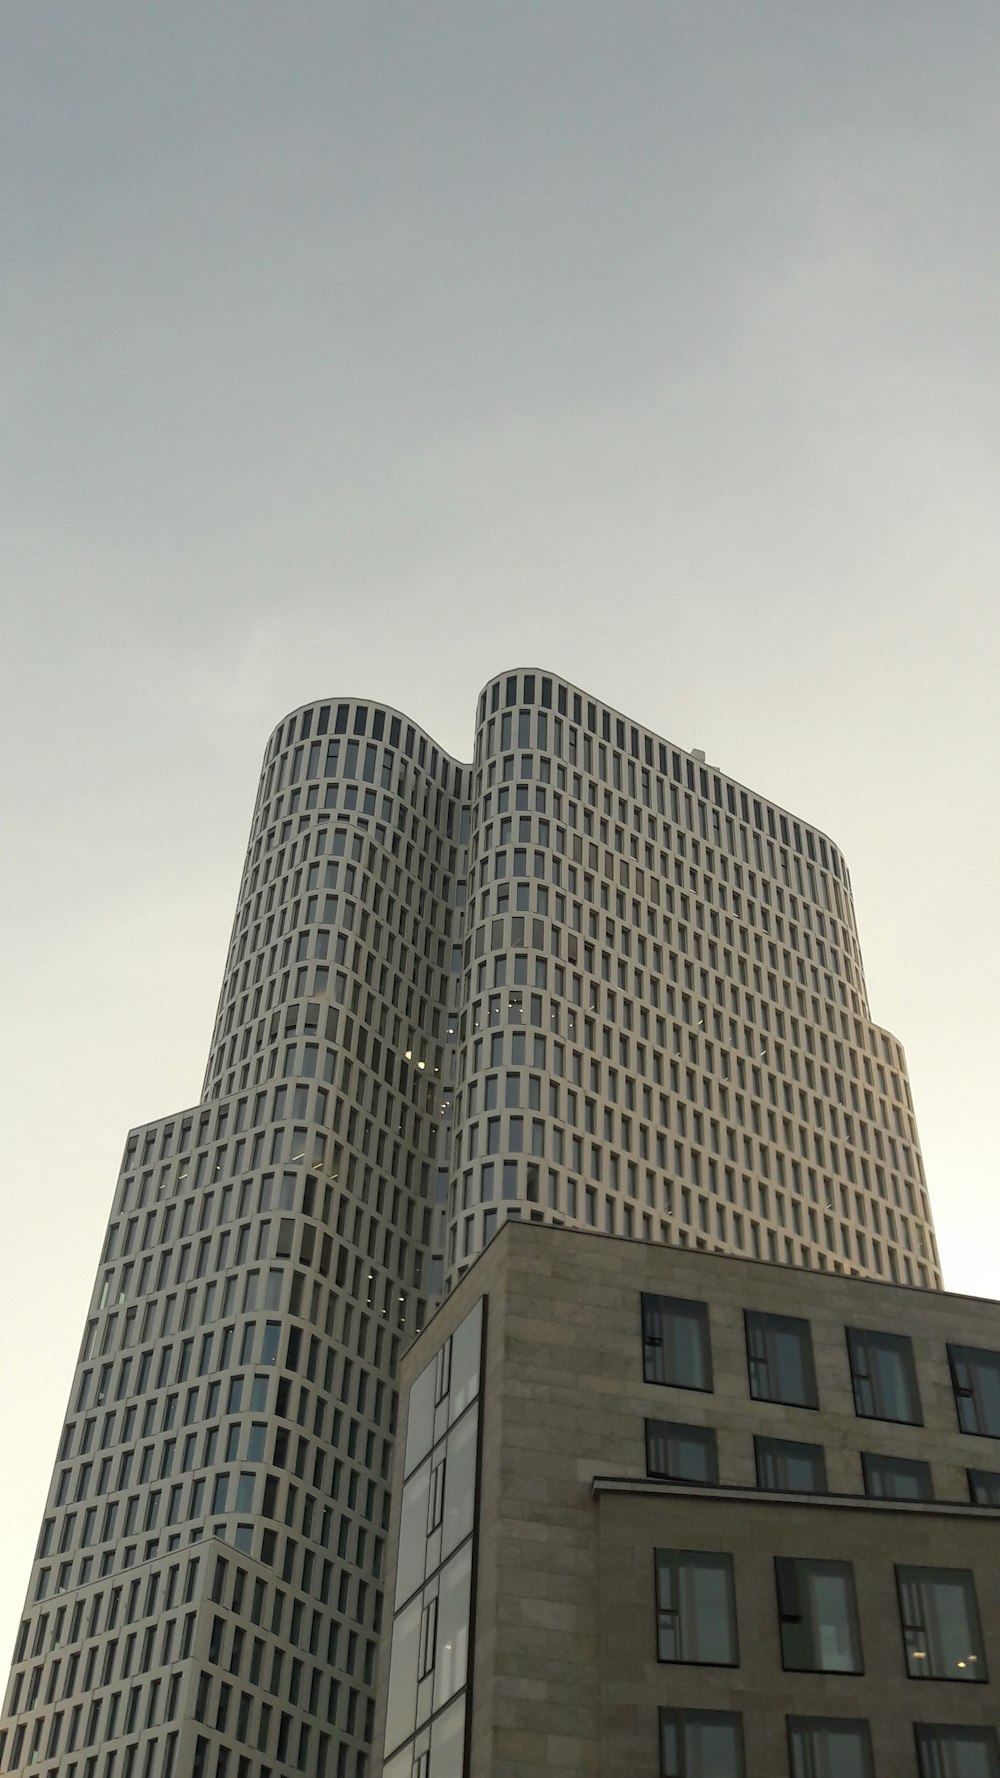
column 681, row 1453
column 818, row 1616
column 780, row 1358
column 940, row 1620
column 984, row 1487
column 975, row 1375
column 789, row 1467
column 885, row 1382
column 701, row 1744
column 948, row 1750
column 829, row 1747
column 675, row 1342
column 696, row 1608
column 426, row 1639
column 896, row 1478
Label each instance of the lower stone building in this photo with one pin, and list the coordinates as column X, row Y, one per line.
column 669, row 1514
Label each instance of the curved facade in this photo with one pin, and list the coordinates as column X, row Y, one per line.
column 665, row 1031
column 207, row 1586
column 587, row 980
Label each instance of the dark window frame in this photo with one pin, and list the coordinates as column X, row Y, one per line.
column 763, row 1357
column 785, row 1447
column 702, row 1435
column 913, row 1464
column 871, row 1398
column 790, row 1573
column 718, row 1560
column 967, row 1392
column 809, row 1724
column 989, row 1496
column 923, row 1731
column 908, row 1575
column 655, row 1353
column 680, row 1717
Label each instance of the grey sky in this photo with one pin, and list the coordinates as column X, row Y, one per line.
column 370, row 348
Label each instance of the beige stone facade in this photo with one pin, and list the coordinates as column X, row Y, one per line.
column 565, row 1676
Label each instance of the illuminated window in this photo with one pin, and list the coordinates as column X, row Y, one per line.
column 940, row 1620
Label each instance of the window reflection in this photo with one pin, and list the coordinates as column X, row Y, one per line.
column 941, row 1624
column 429, row 1658
column 883, row 1375
column 818, row 1616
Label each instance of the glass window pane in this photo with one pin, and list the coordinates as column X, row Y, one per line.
column 883, row 1374
column 681, row 1453
column 788, row 1466
column 460, row 1482
column 946, row 1750
column 420, row 1419
column 779, row 1353
column 712, row 1747
column 448, row 1742
column 466, row 1348
column 453, row 1626
column 696, row 1607
column 818, row 1616
column 976, row 1378
column 400, row 1767
column 412, row 1534
column 896, row 1478
column 675, row 1342
column 401, row 1706
column 701, row 1744
column 940, row 1619
column 984, row 1487
column 829, row 1747
column 831, row 1609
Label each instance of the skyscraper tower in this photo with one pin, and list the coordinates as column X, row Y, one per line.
column 589, row 980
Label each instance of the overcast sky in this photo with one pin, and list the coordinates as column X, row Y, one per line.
column 371, row 348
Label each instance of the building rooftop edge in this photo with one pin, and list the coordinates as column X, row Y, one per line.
column 548, row 672
column 535, row 1230
column 697, row 756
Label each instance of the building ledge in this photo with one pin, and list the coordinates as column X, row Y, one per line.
column 650, row 1486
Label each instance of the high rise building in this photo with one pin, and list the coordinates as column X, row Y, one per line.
column 588, row 980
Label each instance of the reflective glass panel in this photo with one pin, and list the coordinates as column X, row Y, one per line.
column 818, row 1616
column 883, row 1375
column 419, row 1419
column 448, row 1742
column 779, row 1353
column 675, row 1342
column 941, row 1630
column 681, row 1453
column 829, row 1747
column 701, row 1744
column 976, row 1377
column 412, row 1533
column 460, row 1482
column 948, row 1750
column 788, row 1466
column 454, row 1604
column 401, row 1705
column 897, row 1478
column 466, row 1346
column 696, row 1607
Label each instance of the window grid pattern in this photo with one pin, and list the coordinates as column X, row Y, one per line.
column 643, row 1047
column 269, row 1250
column 638, row 1007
